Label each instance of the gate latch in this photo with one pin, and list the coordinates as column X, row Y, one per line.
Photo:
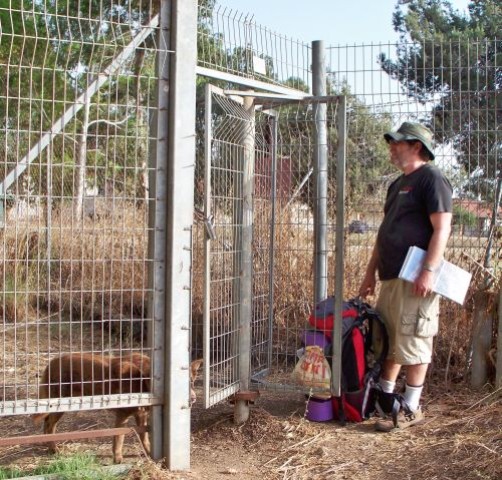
column 209, row 223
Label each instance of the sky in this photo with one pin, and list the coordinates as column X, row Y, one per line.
column 333, row 21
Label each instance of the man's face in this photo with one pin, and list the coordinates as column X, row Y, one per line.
column 403, row 153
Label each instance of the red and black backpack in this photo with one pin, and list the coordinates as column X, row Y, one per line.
column 364, row 349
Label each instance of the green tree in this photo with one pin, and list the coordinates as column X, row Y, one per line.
column 453, row 62
column 368, row 166
column 60, row 52
column 464, row 217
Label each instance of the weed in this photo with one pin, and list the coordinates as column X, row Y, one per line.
column 75, row 467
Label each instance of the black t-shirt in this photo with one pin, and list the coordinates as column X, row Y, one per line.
column 411, row 199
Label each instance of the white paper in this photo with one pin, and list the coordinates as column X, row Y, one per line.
column 450, row 281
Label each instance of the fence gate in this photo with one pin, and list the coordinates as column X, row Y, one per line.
column 228, row 143
column 298, row 230
column 257, row 167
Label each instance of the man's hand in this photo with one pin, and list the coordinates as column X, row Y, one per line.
column 367, row 286
column 369, row 282
column 423, row 284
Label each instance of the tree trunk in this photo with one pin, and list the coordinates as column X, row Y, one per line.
column 481, row 338
column 81, row 164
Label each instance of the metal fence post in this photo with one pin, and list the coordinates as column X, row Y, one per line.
column 320, row 162
column 275, row 127
column 241, row 412
column 180, row 196
column 336, row 367
column 157, row 210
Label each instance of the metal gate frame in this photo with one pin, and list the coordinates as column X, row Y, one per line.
column 231, row 328
column 320, row 171
column 242, row 295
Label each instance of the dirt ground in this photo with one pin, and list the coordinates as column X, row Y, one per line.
column 461, row 438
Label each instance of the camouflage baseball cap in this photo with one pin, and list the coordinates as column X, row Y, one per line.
column 413, row 131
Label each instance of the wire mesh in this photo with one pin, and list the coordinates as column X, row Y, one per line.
column 76, row 95
column 458, row 96
column 283, row 236
column 223, row 209
column 283, row 249
column 455, row 89
column 232, row 42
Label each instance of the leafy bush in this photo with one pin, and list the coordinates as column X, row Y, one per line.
column 464, row 217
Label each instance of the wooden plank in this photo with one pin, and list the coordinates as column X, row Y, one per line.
column 63, row 436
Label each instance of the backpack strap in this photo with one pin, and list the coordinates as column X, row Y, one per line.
column 388, row 404
column 373, row 315
column 366, row 311
column 342, row 416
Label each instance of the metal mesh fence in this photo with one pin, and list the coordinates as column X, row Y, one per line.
column 231, row 42
column 223, row 260
column 283, row 248
column 284, row 140
column 76, row 97
column 455, row 89
column 456, row 94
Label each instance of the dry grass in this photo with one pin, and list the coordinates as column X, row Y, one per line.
column 98, row 266
column 293, row 285
column 461, row 439
column 99, row 270
column 149, row 470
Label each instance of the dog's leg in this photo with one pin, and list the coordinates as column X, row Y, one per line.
column 141, row 416
column 122, row 414
column 50, row 427
column 194, row 368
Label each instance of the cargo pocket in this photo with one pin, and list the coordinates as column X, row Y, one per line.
column 427, row 326
column 408, row 324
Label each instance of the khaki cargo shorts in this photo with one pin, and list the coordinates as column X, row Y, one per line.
column 411, row 322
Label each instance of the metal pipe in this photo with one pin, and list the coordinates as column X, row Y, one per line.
column 248, row 82
column 157, row 236
column 180, row 200
column 241, row 411
column 64, row 436
column 206, row 314
column 273, row 148
column 320, row 163
column 336, row 367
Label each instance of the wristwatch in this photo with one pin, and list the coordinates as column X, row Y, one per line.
column 428, row 267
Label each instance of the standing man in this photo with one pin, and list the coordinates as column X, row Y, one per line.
column 417, row 213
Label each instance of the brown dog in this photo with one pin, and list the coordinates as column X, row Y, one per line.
column 84, row 374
